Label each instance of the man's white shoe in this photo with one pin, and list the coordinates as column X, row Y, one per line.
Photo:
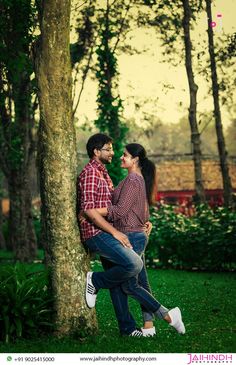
column 148, row 332
column 136, row 333
column 176, row 320
column 91, row 292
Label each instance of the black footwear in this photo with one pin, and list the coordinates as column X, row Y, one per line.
column 136, row 333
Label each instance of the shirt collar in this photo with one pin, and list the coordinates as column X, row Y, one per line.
column 98, row 165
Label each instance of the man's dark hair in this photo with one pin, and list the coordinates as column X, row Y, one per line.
column 97, row 141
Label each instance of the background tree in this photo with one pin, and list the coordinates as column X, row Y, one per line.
column 172, row 20
column 83, row 49
column 227, row 186
column 57, row 166
column 195, row 135
column 109, row 102
column 2, row 238
column 17, row 144
column 101, row 29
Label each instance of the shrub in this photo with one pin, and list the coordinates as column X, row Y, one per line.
column 25, row 302
column 204, row 241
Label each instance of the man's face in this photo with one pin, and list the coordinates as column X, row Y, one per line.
column 105, row 154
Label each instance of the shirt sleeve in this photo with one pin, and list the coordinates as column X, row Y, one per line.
column 127, row 197
column 88, row 189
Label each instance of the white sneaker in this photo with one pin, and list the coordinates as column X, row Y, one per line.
column 91, row 292
column 149, row 332
column 176, row 320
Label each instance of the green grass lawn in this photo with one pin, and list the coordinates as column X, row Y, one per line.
column 207, row 301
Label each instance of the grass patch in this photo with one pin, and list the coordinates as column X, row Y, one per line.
column 207, row 301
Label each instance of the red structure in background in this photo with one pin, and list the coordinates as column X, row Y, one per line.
column 176, row 183
column 184, row 200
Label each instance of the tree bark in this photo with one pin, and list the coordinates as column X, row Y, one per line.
column 227, row 186
column 22, row 238
column 195, row 135
column 57, row 162
column 2, row 238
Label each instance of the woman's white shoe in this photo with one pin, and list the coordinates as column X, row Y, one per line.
column 176, row 320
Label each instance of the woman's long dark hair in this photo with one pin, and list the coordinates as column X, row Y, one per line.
column 147, row 167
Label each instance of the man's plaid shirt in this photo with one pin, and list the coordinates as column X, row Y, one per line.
column 94, row 191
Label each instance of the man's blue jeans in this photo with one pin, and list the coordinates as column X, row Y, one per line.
column 128, row 264
column 119, row 298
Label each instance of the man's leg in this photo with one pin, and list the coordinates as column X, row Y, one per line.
column 120, row 303
column 127, row 263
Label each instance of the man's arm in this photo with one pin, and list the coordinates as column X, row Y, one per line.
column 100, row 222
column 102, row 211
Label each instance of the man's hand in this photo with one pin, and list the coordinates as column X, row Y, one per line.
column 148, row 228
column 122, row 238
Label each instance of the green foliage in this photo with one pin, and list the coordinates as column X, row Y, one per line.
column 204, row 241
column 85, row 28
column 17, row 24
column 25, row 302
column 110, row 105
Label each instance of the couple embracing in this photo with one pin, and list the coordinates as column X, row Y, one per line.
column 114, row 224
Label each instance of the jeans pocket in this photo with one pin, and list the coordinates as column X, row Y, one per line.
column 138, row 241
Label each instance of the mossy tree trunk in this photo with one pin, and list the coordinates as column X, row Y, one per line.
column 57, row 161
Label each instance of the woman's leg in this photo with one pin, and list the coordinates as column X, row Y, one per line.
column 132, row 287
column 139, row 243
column 148, row 317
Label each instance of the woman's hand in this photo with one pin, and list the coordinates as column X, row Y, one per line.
column 81, row 217
column 148, row 228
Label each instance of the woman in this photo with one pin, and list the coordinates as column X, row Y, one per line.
column 129, row 214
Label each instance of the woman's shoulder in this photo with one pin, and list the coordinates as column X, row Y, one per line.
column 134, row 176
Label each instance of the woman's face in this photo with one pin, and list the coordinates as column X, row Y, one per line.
column 127, row 161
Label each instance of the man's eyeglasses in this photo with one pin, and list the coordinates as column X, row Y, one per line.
column 107, row 149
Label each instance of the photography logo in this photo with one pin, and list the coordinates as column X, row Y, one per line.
column 205, row 359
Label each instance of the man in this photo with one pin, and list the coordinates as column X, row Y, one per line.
column 119, row 260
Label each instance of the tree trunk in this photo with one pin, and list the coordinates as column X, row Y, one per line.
column 57, row 160
column 22, row 239
column 228, row 192
column 21, row 231
column 16, row 119
column 195, row 135
column 2, row 238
